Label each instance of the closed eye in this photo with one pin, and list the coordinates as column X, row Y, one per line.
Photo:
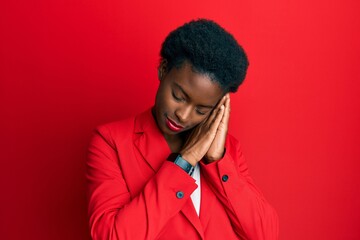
column 200, row 112
column 179, row 99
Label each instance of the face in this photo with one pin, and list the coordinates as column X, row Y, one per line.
column 184, row 99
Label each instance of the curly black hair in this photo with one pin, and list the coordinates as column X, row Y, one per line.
column 210, row 50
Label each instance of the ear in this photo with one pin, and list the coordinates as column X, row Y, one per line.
column 162, row 69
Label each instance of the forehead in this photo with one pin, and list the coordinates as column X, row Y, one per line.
column 199, row 87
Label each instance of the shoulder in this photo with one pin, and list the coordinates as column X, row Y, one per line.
column 231, row 141
column 115, row 128
column 122, row 130
column 233, row 146
column 114, row 133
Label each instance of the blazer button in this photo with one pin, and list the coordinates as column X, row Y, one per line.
column 179, row 194
column 225, row 178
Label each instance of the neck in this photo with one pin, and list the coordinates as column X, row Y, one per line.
column 175, row 142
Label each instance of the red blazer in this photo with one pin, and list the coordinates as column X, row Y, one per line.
column 134, row 193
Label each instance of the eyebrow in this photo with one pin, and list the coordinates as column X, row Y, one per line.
column 187, row 96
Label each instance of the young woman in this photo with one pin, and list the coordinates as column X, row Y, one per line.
column 173, row 171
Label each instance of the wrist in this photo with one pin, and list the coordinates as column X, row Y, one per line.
column 213, row 158
column 189, row 158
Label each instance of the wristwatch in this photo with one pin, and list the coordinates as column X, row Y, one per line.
column 178, row 160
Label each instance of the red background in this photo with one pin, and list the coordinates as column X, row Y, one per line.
column 67, row 66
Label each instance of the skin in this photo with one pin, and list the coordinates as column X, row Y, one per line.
column 204, row 117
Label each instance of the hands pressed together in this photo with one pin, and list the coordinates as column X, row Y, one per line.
column 208, row 138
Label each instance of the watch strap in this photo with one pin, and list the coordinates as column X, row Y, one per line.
column 181, row 162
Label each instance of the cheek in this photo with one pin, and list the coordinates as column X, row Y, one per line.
column 161, row 96
column 164, row 101
column 198, row 119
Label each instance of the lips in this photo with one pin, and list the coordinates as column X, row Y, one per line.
column 173, row 126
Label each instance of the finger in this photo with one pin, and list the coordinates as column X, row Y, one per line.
column 227, row 109
column 212, row 116
column 226, row 116
column 221, row 102
column 215, row 111
column 214, row 126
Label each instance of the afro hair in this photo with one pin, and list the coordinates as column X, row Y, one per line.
column 210, row 50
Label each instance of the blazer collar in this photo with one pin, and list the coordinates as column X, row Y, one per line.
column 149, row 140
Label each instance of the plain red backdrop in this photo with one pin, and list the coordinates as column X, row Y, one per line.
column 67, row 66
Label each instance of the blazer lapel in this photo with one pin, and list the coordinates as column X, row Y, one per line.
column 154, row 149
column 149, row 140
column 189, row 212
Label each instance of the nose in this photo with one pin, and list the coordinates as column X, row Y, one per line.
column 183, row 113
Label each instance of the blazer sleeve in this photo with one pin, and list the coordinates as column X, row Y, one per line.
column 251, row 215
column 113, row 213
